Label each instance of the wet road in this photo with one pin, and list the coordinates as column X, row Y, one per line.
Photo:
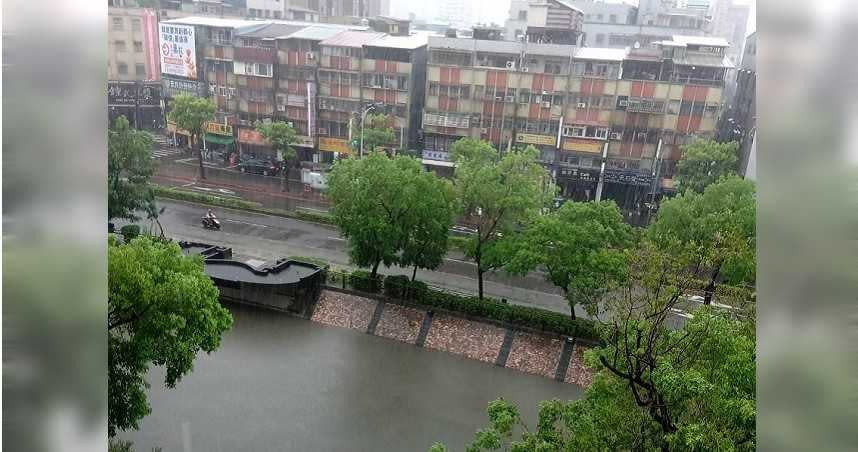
column 283, row 384
column 266, row 238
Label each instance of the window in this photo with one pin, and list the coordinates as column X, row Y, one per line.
column 138, row 46
column 267, row 13
column 277, row 14
column 118, row 23
column 119, row 45
column 433, row 88
column 586, row 162
column 135, row 24
column 600, row 38
column 600, row 17
column 711, row 110
column 613, row 18
column 123, row 68
column 572, row 131
column 402, row 82
column 601, row 133
column 522, row 15
column 673, row 107
column 140, row 69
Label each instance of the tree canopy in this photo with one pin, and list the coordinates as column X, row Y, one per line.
column 162, row 310
column 282, row 136
column 713, row 232
column 499, row 194
column 704, row 162
column 129, row 169
column 655, row 387
column 192, row 114
column 377, row 132
column 391, row 210
column 581, row 246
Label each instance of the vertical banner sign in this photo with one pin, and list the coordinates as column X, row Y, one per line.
column 150, row 41
column 311, row 108
column 178, row 51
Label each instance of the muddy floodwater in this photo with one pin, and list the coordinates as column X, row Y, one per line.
column 279, row 383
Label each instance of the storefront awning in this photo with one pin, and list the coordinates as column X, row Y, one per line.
column 219, row 139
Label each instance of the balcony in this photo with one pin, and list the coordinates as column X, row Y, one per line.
column 255, row 55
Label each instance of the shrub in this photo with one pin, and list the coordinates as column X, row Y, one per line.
column 396, row 286
column 129, row 232
column 524, row 316
column 362, row 280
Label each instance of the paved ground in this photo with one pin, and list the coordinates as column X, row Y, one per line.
column 279, row 383
column 267, row 238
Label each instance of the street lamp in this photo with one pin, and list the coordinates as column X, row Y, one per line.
column 362, row 119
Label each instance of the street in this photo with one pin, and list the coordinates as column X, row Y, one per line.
column 266, row 238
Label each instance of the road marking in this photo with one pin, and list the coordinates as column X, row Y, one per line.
column 457, row 260
column 245, row 222
column 314, row 210
column 336, row 238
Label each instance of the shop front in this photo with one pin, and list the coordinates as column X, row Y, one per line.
column 252, row 145
column 220, row 144
column 180, row 137
column 333, row 147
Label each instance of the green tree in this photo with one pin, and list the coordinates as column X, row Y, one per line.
column 704, row 162
column 377, row 132
column 282, row 136
column 714, row 232
column 193, row 114
column 377, row 202
column 429, row 220
column 581, row 246
column 162, row 310
column 129, row 169
column 655, row 388
column 498, row 194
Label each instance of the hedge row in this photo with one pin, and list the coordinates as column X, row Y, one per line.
column 400, row 287
column 182, row 195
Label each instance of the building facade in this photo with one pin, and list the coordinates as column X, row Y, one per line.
column 317, row 77
column 619, row 25
column 730, row 21
column 738, row 123
column 132, row 45
column 614, row 116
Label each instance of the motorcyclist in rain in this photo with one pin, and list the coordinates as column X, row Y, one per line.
column 210, row 218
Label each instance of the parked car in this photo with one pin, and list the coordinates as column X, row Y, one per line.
column 265, row 168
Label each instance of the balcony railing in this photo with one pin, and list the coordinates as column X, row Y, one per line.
column 255, row 55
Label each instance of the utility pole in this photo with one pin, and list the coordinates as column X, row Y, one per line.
column 601, row 182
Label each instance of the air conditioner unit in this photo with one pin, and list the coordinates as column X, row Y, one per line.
column 310, row 56
column 582, row 105
column 281, row 108
column 546, row 105
column 510, row 64
column 323, row 131
column 616, row 136
column 510, row 98
column 545, row 93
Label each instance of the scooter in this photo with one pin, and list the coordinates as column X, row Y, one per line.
column 211, row 223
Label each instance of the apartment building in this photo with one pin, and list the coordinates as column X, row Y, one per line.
column 132, row 44
column 629, row 109
column 318, row 77
column 619, row 24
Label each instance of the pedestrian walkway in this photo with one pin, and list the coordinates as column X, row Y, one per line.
column 163, row 149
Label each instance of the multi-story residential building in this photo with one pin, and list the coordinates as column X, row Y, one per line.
column 730, row 21
column 132, row 43
column 318, row 77
column 581, row 107
column 738, row 123
column 618, row 25
column 553, row 22
column 303, row 10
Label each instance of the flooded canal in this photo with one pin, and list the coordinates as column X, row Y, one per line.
column 283, row 384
